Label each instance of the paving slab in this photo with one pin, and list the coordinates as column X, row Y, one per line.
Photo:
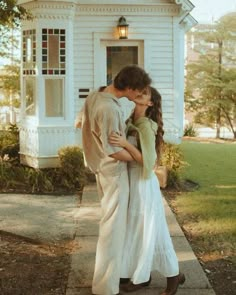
column 83, row 256
column 87, row 220
column 44, row 218
column 90, row 196
column 146, row 291
column 82, row 263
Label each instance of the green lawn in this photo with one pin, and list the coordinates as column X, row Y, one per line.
column 209, row 213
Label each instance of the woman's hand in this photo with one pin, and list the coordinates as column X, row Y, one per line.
column 117, row 140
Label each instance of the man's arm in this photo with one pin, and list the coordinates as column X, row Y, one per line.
column 122, row 155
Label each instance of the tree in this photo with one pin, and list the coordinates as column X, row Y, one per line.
column 11, row 85
column 11, row 13
column 11, row 16
column 211, row 81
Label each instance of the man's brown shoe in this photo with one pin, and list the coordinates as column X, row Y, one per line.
column 130, row 287
column 173, row 284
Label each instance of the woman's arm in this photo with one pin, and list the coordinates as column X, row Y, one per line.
column 118, row 140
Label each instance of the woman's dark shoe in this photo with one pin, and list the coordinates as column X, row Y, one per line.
column 173, row 284
column 130, row 287
column 124, row 281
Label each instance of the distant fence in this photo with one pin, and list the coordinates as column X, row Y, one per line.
column 8, row 115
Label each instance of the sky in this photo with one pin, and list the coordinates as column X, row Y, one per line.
column 206, row 11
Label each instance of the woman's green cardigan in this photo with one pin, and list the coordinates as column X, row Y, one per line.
column 146, row 129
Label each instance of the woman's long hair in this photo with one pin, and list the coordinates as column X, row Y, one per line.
column 154, row 112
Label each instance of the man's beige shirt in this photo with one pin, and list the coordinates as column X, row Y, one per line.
column 102, row 115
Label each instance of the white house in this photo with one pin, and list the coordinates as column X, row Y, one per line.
column 73, row 47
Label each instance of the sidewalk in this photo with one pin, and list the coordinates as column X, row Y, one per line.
column 42, row 218
column 83, row 256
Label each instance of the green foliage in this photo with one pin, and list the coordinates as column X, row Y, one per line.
column 11, row 150
column 38, row 180
column 5, row 168
column 211, row 81
column 9, row 138
column 189, row 130
column 9, row 42
column 172, row 158
column 72, row 172
column 70, row 177
column 11, row 13
column 11, row 17
column 11, row 81
column 15, row 102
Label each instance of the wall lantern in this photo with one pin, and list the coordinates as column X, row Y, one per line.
column 122, row 28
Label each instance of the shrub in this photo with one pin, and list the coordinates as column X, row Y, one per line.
column 72, row 171
column 69, row 177
column 11, row 150
column 12, row 176
column 172, row 158
column 190, row 130
column 38, row 180
column 5, row 169
column 9, row 136
column 9, row 142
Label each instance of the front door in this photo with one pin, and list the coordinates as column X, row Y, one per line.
column 116, row 55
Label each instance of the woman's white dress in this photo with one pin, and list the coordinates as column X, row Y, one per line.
column 148, row 245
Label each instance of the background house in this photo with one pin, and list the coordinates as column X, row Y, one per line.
column 73, row 47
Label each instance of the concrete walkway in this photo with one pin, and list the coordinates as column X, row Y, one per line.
column 41, row 218
column 83, row 256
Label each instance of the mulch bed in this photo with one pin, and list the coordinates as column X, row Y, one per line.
column 28, row 267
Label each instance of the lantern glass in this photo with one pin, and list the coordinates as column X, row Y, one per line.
column 122, row 28
column 123, row 32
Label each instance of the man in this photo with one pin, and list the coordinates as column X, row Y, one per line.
column 101, row 117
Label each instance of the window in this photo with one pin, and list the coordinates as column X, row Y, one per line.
column 118, row 57
column 54, row 97
column 29, row 91
column 53, row 52
column 29, row 52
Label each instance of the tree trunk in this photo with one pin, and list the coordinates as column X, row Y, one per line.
column 230, row 121
column 218, row 112
column 218, row 122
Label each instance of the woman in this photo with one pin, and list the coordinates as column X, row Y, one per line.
column 148, row 245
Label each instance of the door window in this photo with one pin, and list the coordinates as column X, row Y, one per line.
column 119, row 57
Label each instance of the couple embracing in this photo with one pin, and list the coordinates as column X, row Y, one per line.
column 133, row 234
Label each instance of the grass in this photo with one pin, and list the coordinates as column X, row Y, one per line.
column 208, row 214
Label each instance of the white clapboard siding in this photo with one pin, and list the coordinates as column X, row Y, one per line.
column 159, row 35
column 161, row 51
column 165, row 79
column 158, row 65
column 156, row 26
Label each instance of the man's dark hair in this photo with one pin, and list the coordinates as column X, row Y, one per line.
column 132, row 77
